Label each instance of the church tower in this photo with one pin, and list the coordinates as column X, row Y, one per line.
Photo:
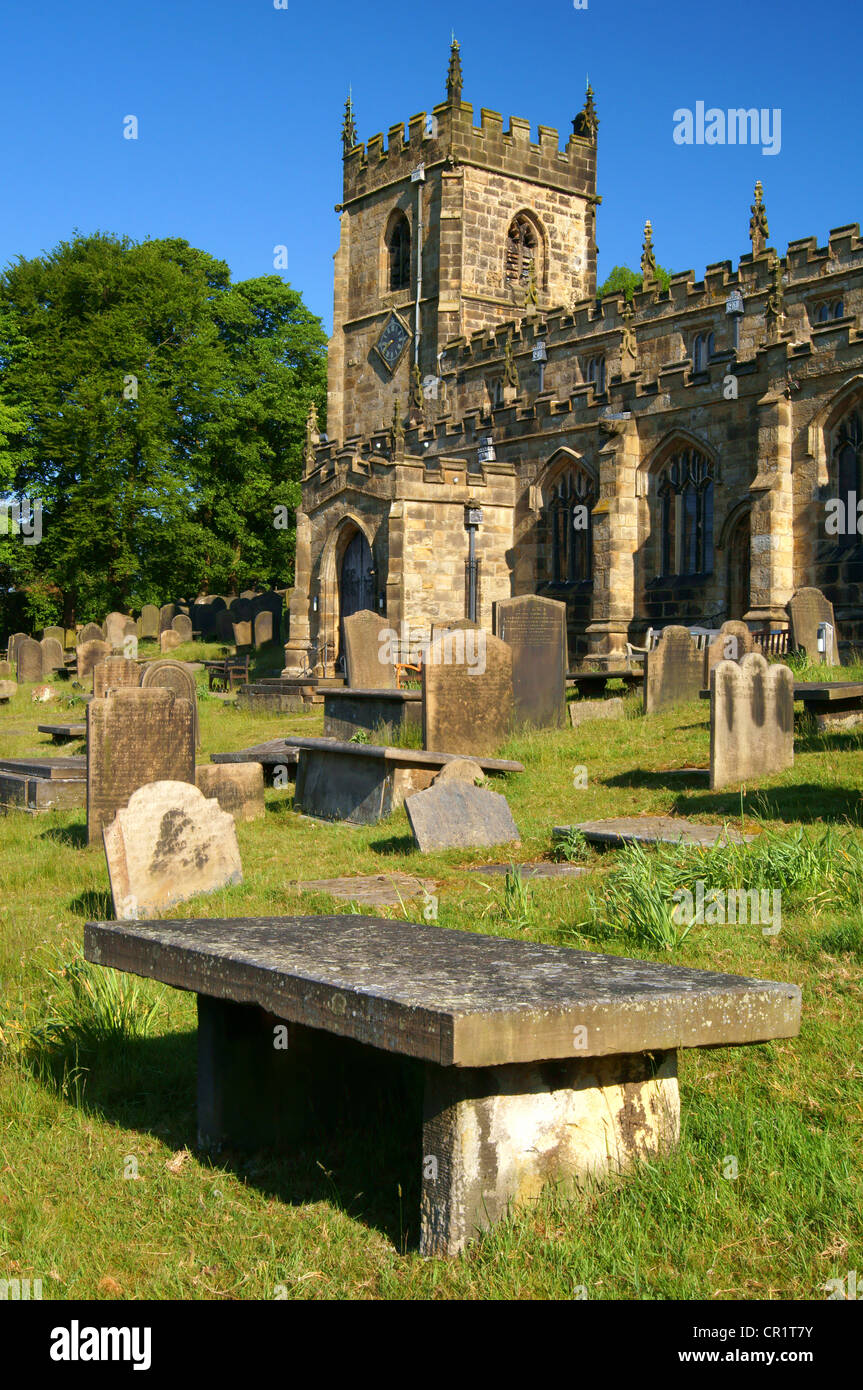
column 455, row 229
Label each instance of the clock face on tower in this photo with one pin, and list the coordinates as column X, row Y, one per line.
column 394, row 338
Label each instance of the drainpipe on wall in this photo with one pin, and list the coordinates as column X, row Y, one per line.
column 418, row 177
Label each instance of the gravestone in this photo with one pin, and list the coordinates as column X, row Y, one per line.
column 13, row 644
column 371, row 650
column 89, row 655
column 28, row 660
column 169, row 640
column 176, row 676
column 224, row 626
column 90, row 632
column 733, row 642
column 272, row 603
column 168, row 844
column 7, row 689
column 150, row 622
column 7, row 670
column 461, row 770
column 71, row 639
column 134, row 737
column 204, row 618
column 183, row 627
column 457, row 815
column 263, row 628
column 52, row 656
column 115, row 630
column 114, row 673
column 242, row 634
column 467, row 693
column 583, row 711
column 673, row 671
column 751, row 721
column 238, row 787
column 806, row 610
column 535, row 629
column 167, row 614
column 58, row 633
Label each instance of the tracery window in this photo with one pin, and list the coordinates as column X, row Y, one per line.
column 571, row 527
column 847, row 470
column 522, row 251
column 686, row 514
column 399, row 254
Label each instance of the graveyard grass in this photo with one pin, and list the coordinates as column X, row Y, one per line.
column 97, row 1072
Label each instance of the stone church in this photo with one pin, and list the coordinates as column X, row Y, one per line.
column 674, row 458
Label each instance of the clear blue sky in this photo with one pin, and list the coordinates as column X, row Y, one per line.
column 240, row 104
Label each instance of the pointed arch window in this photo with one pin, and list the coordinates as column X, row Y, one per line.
column 686, row 514
column 847, row 470
column 522, row 251
column 703, row 346
column 570, row 516
column 399, row 254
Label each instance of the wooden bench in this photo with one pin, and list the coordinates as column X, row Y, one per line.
column 540, row 1063
column 225, row 674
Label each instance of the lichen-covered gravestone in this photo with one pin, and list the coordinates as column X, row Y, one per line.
column 807, row 609
column 370, row 652
column 168, row 844
column 238, row 787
column 751, row 721
column 113, row 673
column 535, row 629
column 176, row 676
column 89, row 655
column 57, row 632
column 28, row 659
column 134, row 737
column 456, row 815
column 674, row 671
column 52, row 656
column 467, row 693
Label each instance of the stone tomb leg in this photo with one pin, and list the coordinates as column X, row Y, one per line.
column 487, row 1138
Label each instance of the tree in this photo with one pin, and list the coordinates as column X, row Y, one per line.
column 622, row 280
column 164, row 411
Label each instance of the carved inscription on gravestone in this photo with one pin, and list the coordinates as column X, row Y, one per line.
column 134, row 737
column 535, row 629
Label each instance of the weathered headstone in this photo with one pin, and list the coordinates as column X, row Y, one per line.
column 371, row 650
column 12, row 648
column 58, row 633
column 7, row 689
column 176, row 676
column 456, row 815
column 89, row 655
column 263, row 628
column 167, row 614
column 238, row 787
column 115, row 630
column 52, row 656
column 28, row 660
column 807, row 609
column 467, row 693
column 733, row 642
column 90, row 632
column 242, row 634
column 166, row 845
column 150, row 622
column 224, row 626
column 115, row 673
column 169, row 640
column 134, row 737
column 7, row 670
column 751, row 721
column 673, row 671
column 583, row 711
column 183, row 627
column 535, row 629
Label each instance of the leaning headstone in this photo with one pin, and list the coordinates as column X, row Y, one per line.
column 183, row 627
column 467, row 693
column 28, row 660
column 583, row 711
column 90, row 632
column 371, row 650
column 89, row 655
column 115, row 673
column 238, row 787
column 115, row 630
column 751, row 721
column 52, row 656
column 58, row 633
column 176, row 676
column 169, row 640
column 732, row 643
column 673, row 672
column 535, row 628
column 134, row 737
column 167, row 614
column 456, row 815
column 169, row 844
column 150, row 623
column 807, row 609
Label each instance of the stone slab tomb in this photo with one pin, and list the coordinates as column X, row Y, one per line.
column 277, row 760
column 371, row 651
column 467, row 693
column 585, row 711
column 751, row 721
column 389, row 713
column 457, row 815
column 238, row 788
column 167, row 845
column 806, row 610
column 674, row 671
column 652, row 830
column 42, row 784
column 134, row 737
column 375, row 890
column 535, row 629
column 538, row 1063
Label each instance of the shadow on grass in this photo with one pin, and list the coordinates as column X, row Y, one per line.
column 394, row 844
column 356, row 1153
column 814, row 740
column 74, row 835
column 660, row 781
column 95, row 905
column 804, row 803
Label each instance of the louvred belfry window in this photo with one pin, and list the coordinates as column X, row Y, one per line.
column 522, row 248
column 399, row 250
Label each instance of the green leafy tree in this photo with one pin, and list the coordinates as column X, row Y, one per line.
column 622, row 280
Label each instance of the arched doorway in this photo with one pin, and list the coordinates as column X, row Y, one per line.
column 738, row 569
column 356, row 582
